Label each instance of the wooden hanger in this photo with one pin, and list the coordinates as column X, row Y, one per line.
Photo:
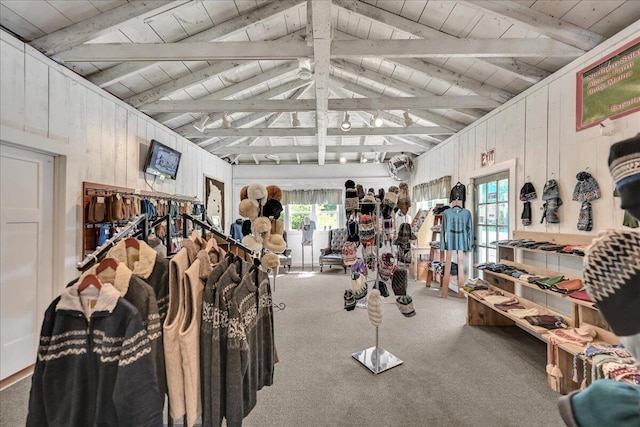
column 107, row 263
column 130, row 242
column 90, row 279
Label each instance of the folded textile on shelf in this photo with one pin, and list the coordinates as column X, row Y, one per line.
column 483, row 293
column 506, row 307
column 500, row 299
column 547, row 321
column 521, row 313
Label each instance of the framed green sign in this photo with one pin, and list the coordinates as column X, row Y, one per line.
column 609, row 88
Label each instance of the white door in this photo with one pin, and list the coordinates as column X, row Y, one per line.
column 26, row 270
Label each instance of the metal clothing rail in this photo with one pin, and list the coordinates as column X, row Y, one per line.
column 144, row 195
column 203, row 225
column 101, row 251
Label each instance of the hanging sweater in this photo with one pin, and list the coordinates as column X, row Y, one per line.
column 250, row 345
column 94, row 365
column 457, row 230
column 141, row 295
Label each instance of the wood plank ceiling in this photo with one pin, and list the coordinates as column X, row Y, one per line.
column 234, row 69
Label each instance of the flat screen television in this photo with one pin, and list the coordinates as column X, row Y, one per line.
column 162, row 161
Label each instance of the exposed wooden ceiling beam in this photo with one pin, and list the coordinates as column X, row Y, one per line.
column 346, row 104
column 291, row 132
column 425, row 115
column 539, row 22
column 513, row 66
column 198, row 76
column 276, row 91
column 321, row 30
column 396, row 84
column 275, row 50
column 306, row 149
column 106, row 22
column 240, row 23
column 228, row 91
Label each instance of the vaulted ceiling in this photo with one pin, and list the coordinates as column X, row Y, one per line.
column 237, row 70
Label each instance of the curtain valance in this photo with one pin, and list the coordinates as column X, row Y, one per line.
column 436, row 189
column 310, row 197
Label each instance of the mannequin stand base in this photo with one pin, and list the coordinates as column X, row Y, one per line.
column 371, row 355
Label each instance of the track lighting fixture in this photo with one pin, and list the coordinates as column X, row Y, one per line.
column 346, row 124
column 200, row 124
column 376, row 159
column 273, row 157
column 377, row 120
column 363, row 159
column 225, row 121
column 342, row 159
column 295, row 122
column 408, row 121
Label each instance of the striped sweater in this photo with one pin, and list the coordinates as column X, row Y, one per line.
column 94, row 364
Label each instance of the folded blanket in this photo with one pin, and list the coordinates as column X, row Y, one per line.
column 521, row 313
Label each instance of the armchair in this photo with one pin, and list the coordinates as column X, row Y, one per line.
column 285, row 257
column 332, row 255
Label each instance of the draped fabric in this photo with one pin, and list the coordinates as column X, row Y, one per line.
column 436, row 189
column 310, row 197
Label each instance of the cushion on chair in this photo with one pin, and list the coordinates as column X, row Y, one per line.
column 338, row 238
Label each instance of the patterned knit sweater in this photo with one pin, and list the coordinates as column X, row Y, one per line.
column 250, row 345
column 94, row 365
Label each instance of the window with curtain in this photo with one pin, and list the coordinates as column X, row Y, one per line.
column 437, row 189
column 322, row 205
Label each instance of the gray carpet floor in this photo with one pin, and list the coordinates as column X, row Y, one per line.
column 452, row 375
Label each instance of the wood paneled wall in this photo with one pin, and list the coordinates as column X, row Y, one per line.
column 106, row 140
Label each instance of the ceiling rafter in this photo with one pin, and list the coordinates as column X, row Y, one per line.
column 404, row 87
column 232, row 26
column 308, row 149
column 322, row 45
column 312, row 131
column 513, row 66
column 538, row 22
column 274, row 73
column 112, row 20
column 425, row 115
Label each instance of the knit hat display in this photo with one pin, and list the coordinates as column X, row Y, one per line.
column 399, row 281
column 386, row 265
column 612, row 278
column 275, row 243
column 360, row 191
column 527, row 192
column 404, row 201
column 389, row 203
column 349, row 300
column 360, row 267
column 368, row 203
column 374, row 308
column 586, row 189
column 274, row 192
column 624, row 165
column 272, row 208
column 349, row 253
column 351, row 200
column 405, row 305
column 247, row 209
column 359, row 286
column 366, row 230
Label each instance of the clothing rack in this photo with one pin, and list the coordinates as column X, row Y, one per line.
column 204, row 226
column 95, row 189
column 101, row 251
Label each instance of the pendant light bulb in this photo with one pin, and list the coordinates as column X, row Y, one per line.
column 346, row 124
column 342, row 159
column 225, row 121
column 377, row 120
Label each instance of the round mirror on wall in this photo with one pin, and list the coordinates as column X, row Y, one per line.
column 400, row 167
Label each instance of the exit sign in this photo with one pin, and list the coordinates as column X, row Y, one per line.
column 487, row 157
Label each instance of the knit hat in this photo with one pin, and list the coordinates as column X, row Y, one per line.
column 250, row 242
column 368, row 203
column 389, row 203
column 243, row 192
column 352, row 231
column 260, row 228
column 270, row 261
column 247, row 209
column 404, row 201
column 371, row 261
column 585, row 217
column 399, row 281
column 360, row 191
column 349, row 300
column 527, row 192
column 380, row 195
column 359, row 286
column 405, row 305
column 550, row 190
column 587, row 188
column 612, row 278
column 386, row 265
column 257, row 193
column 272, row 208
column 366, row 231
column 360, row 267
column 526, row 213
column 274, row 192
column 275, row 243
column 405, row 235
column 382, row 287
column 374, row 308
column 350, row 196
column 624, row 165
column 349, row 253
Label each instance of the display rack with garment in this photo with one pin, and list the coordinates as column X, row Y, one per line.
column 456, row 236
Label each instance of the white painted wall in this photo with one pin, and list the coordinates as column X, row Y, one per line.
column 537, row 129
column 46, row 107
column 329, row 176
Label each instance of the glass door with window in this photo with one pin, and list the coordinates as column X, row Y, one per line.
column 491, row 215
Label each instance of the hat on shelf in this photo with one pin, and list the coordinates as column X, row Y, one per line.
column 274, row 192
column 349, row 253
column 273, row 208
column 612, row 278
column 349, row 300
column 624, row 165
column 399, row 281
column 405, row 305
column 386, row 265
column 374, row 307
